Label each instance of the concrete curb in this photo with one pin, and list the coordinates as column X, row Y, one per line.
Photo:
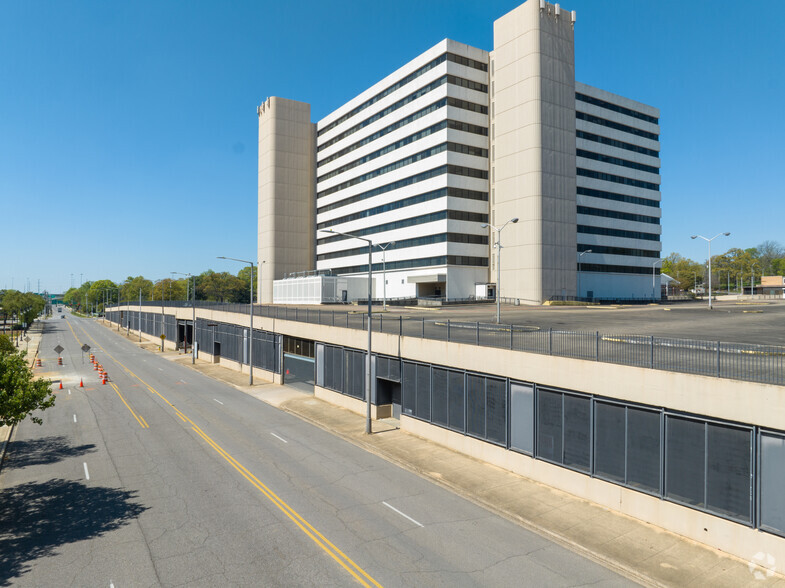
column 5, row 434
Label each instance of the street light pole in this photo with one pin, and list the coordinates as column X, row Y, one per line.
column 498, row 263
column 653, row 266
column 384, row 272
column 580, row 255
column 250, row 342
column 709, row 242
column 193, row 325
column 752, row 279
column 368, row 429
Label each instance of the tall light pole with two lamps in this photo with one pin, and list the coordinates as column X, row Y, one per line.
column 709, row 242
column 368, row 429
column 193, row 331
column 580, row 255
column 250, row 343
column 384, row 247
column 498, row 263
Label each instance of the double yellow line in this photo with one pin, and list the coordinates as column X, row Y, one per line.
column 138, row 417
column 339, row 556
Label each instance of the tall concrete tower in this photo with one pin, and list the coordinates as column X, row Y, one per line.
column 287, row 141
column 533, row 172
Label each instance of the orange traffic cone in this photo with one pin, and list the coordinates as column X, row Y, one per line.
column 81, row 383
column 103, row 380
column 61, row 384
column 95, row 369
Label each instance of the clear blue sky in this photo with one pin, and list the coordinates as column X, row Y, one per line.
column 128, row 130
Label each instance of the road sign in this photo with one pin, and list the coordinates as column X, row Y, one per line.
column 85, row 348
column 59, row 349
column 27, row 339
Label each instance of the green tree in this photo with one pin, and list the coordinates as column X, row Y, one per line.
column 129, row 290
column 20, row 392
column 221, row 287
column 97, row 294
column 5, row 345
column 171, row 289
column 245, row 275
column 768, row 252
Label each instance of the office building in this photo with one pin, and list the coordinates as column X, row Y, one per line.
column 429, row 160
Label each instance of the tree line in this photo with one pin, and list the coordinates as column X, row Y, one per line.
column 736, row 267
column 210, row 285
column 19, row 309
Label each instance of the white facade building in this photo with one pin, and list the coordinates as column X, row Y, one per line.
column 405, row 163
column 459, row 138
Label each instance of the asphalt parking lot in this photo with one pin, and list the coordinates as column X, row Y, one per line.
column 761, row 322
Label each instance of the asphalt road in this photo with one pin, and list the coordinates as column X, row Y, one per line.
column 165, row 477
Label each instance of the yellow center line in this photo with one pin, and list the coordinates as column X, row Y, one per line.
column 339, row 556
column 74, row 333
column 140, row 420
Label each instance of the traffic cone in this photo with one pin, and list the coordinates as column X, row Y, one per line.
column 103, row 380
column 95, row 369
column 61, row 384
column 81, row 383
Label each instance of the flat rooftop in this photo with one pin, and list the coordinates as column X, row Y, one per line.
column 758, row 322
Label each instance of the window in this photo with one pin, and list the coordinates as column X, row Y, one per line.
column 588, row 173
column 708, row 465
column 618, row 197
column 604, row 212
column 615, row 143
column 616, row 161
column 614, row 125
column 616, row 108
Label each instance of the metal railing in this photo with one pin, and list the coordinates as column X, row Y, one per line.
column 738, row 361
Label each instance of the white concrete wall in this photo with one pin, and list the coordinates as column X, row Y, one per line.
column 533, row 151
column 285, row 191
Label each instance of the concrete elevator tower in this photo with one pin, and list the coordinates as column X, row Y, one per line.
column 533, row 171
column 287, row 141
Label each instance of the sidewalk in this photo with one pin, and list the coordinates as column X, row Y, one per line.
column 35, row 333
column 639, row 551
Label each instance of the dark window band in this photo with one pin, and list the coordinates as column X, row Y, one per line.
column 460, row 215
column 618, row 197
column 617, row 144
column 618, row 251
column 616, row 161
column 410, row 263
column 426, row 197
column 604, row 212
column 454, row 147
column 414, row 242
column 616, row 108
column 589, row 230
column 412, row 76
column 445, row 124
column 588, row 173
column 614, row 125
column 411, row 118
column 426, row 175
column 448, row 79
column 614, row 269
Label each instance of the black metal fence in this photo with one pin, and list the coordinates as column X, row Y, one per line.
column 737, row 361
